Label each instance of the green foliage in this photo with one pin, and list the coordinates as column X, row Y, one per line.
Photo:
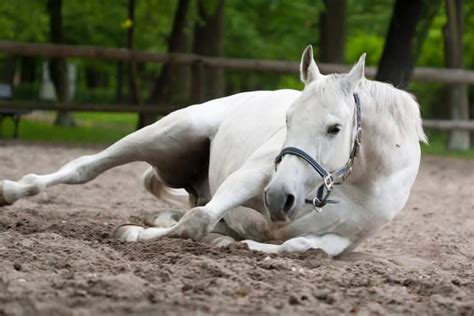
column 290, row 82
column 210, row 6
column 370, row 44
column 432, row 54
column 437, row 146
column 23, row 20
column 469, row 34
column 270, row 29
column 368, row 17
column 266, row 29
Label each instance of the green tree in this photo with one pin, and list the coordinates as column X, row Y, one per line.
column 208, row 41
column 332, row 30
column 408, row 28
column 58, row 68
column 172, row 85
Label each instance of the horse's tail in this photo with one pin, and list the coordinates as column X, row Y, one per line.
column 154, row 185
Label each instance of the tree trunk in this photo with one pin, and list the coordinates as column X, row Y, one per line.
column 408, row 28
column 95, row 78
column 9, row 68
column 58, row 66
column 172, row 85
column 119, row 83
column 208, row 41
column 454, row 56
column 28, row 69
column 132, row 71
column 332, row 32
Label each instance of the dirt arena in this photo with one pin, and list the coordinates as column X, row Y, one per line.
column 56, row 256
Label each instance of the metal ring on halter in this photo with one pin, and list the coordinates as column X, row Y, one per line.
column 316, row 202
column 358, row 137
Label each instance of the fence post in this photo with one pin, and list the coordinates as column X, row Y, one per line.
column 457, row 93
column 198, row 85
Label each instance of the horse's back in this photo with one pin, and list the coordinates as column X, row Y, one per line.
column 179, row 144
column 184, row 142
column 245, row 129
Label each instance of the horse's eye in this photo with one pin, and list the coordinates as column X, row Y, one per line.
column 334, row 129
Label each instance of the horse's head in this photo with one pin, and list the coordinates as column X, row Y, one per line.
column 321, row 124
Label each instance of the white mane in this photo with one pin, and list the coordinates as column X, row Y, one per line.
column 390, row 106
column 399, row 106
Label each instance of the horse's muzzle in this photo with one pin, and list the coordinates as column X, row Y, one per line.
column 280, row 202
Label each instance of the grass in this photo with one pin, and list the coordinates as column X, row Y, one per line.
column 91, row 128
column 106, row 128
column 437, row 146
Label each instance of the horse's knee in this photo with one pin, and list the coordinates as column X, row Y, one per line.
column 195, row 224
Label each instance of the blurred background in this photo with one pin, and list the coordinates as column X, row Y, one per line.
column 93, row 71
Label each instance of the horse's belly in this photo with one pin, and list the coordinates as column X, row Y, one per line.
column 247, row 128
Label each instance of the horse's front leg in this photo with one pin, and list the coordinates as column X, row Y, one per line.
column 334, row 231
column 240, row 187
column 331, row 244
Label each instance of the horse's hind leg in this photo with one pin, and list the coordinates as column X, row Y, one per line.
column 242, row 186
column 77, row 171
column 166, row 144
column 176, row 197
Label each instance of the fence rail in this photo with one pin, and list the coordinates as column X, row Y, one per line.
column 449, row 125
column 163, row 109
column 160, row 109
column 422, row 74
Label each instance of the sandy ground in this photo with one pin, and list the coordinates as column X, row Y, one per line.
column 56, row 256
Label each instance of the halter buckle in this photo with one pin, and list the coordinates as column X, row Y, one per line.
column 328, row 182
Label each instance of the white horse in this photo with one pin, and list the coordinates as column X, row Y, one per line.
column 217, row 159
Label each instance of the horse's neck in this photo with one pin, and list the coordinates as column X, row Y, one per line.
column 386, row 148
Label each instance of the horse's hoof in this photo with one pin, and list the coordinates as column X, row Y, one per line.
column 3, row 200
column 127, row 232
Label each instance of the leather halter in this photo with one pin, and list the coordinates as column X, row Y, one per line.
column 330, row 178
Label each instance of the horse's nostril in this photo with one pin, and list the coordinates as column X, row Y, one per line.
column 265, row 198
column 290, row 201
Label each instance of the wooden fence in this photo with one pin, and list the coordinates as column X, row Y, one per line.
column 422, row 74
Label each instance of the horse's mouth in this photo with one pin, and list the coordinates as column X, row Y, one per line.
column 279, row 217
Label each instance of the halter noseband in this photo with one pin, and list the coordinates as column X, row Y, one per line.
column 330, row 178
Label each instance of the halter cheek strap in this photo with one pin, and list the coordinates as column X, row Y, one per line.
column 330, row 178
column 321, row 198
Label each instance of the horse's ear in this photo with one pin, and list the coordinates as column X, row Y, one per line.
column 308, row 69
column 356, row 74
